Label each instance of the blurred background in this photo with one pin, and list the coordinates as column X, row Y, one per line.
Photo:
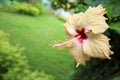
column 28, row 26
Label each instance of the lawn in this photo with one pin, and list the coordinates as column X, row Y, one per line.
column 35, row 34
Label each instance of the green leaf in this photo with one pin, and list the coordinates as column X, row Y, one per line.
column 97, row 2
column 89, row 2
column 109, row 13
column 116, row 27
column 114, row 7
column 116, row 78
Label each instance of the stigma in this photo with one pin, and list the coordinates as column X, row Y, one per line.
column 81, row 35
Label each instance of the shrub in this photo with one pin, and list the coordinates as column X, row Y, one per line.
column 7, row 7
column 34, row 11
column 21, row 7
column 24, row 8
column 41, row 7
column 13, row 64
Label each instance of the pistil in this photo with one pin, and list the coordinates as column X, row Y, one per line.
column 81, row 34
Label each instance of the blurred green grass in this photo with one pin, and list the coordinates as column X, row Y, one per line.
column 116, row 78
column 35, row 34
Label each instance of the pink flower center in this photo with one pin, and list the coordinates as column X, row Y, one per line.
column 81, row 35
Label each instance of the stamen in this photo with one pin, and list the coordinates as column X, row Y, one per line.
column 77, row 65
column 62, row 44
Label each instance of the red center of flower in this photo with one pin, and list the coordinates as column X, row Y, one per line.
column 81, row 35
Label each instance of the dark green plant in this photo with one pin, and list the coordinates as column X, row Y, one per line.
column 65, row 4
column 41, row 7
column 0, row 5
column 13, row 64
column 76, row 6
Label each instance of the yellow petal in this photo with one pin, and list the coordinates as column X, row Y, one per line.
column 99, row 10
column 97, row 46
column 78, row 55
column 95, row 20
column 72, row 23
column 70, row 30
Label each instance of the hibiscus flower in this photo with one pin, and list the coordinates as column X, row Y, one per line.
column 84, row 35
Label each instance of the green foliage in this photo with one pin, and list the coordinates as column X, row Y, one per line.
column 7, row 7
column 81, row 8
column 115, row 26
column 60, row 4
column 13, row 64
column 0, row 6
column 116, row 78
column 76, row 6
column 113, row 14
column 109, row 13
column 114, row 7
column 39, row 54
column 34, row 11
column 41, row 7
column 24, row 8
column 88, row 2
column 21, row 7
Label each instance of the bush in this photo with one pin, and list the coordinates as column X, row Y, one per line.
column 68, row 5
column 41, row 7
column 34, row 11
column 13, row 64
column 21, row 8
column 24, row 8
column 7, row 7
